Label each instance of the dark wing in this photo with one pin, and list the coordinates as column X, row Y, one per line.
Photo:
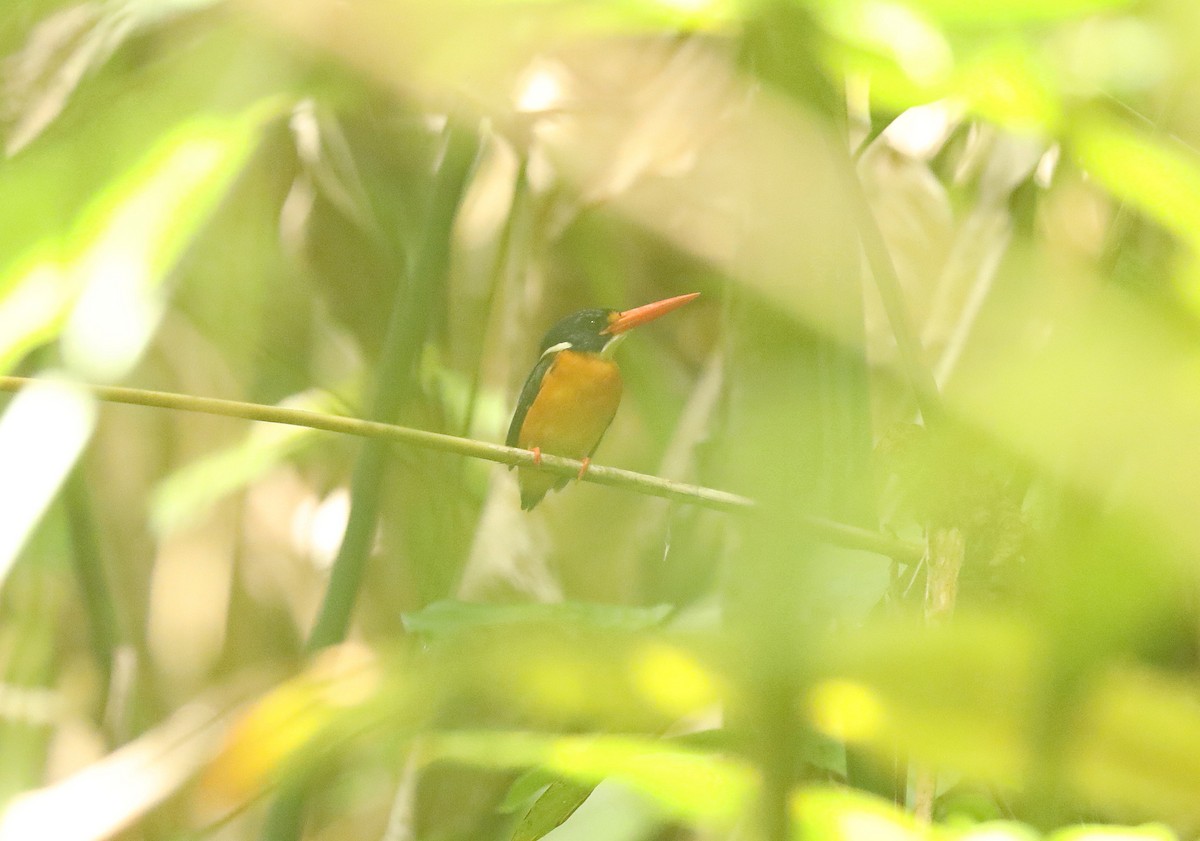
column 529, row 393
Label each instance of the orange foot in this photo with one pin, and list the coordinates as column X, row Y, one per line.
column 583, row 468
column 537, row 456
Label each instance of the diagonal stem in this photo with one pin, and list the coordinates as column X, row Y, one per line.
column 841, row 534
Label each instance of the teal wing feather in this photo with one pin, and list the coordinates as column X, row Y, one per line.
column 529, row 393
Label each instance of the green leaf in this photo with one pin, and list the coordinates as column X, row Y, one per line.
column 525, row 789
column 557, row 803
column 613, row 812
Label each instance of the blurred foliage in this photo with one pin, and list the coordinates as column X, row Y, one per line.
column 376, row 209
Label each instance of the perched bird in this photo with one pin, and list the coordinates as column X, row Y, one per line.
column 572, row 393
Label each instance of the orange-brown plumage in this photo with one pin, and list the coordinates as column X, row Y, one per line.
column 576, row 402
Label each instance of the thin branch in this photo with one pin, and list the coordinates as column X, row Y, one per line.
column 840, row 534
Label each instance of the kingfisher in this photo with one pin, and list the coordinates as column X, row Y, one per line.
column 571, row 395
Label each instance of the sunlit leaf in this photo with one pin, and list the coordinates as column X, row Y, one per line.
column 903, row 53
column 557, row 674
column 904, row 685
column 136, row 233
column 1008, row 85
column 965, row 699
column 42, row 432
column 1158, row 176
column 98, row 801
column 103, row 285
column 836, row 813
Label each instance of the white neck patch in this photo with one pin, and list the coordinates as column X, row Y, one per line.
column 606, row 352
column 611, row 347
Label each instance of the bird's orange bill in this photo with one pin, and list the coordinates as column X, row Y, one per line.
column 629, row 319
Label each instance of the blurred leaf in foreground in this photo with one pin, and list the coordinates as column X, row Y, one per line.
column 67, row 45
column 103, row 284
column 1156, row 175
column 107, row 796
column 692, row 785
column 287, row 721
column 970, row 699
column 966, row 698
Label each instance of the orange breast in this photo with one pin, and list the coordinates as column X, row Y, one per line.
column 574, row 406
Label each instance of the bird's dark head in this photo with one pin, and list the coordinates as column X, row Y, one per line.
column 586, row 331
column 601, row 330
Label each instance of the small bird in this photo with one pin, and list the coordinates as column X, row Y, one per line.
column 572, row 393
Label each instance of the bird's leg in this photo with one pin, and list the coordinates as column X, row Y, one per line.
column 537, row 456
column 583, row 468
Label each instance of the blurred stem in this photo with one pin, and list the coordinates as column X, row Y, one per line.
column 883, row 270
column 126, row 703
column 924, row 793
column 401, row 823
column 946, row 549
column 408, row 327
column 86, row 555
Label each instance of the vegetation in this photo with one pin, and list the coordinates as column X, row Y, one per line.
column 904, row 536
